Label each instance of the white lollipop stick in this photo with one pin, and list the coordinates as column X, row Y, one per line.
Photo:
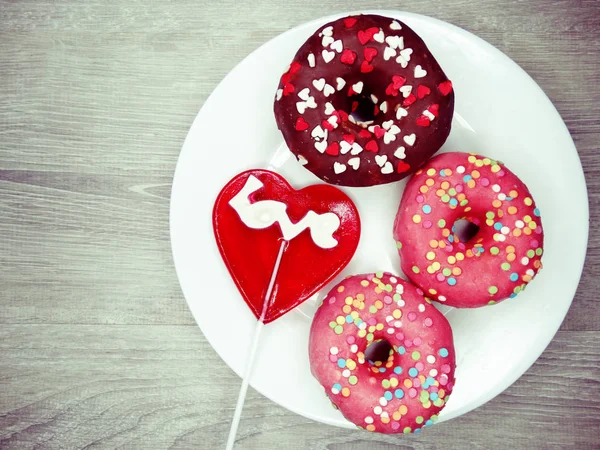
column 259, row 326
column 263, row 214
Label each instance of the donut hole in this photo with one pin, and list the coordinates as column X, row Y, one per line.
column 379, row 352
column 464, row 230
column 364, row 113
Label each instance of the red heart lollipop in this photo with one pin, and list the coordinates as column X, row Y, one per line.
column 258, row 209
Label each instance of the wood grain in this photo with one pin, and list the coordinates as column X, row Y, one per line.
column 163, row 386
column 97, row 346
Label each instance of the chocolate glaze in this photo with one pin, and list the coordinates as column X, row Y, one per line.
column 345, row 49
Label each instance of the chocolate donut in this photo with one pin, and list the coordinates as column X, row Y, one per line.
column 364, row 102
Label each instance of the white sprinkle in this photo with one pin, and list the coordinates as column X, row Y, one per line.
column 504, row 230
column 337, row 46
column 400, row 113
column 339, row 168
column 354, row 163
column 420, row 72
column 525, row 260
column 327, row 31
column 431, row 359
column 383, row 401
column 326, row 41
column 311, row 60
column 421, row 307
column 327, row 56
column 304, row 94
column 410, row 139
column 496, row 188
column 398, row 323
column 460, row 169
column 391, row 330
column 346, row 373
column 519, row 224
column 502, row 196
column 334, row 350
column 354, row 348
column 400, row 153
column 433, row 373
column 378, row 410
column 368, row 419
column 395, row 26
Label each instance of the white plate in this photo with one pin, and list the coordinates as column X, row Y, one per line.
column 500, row 112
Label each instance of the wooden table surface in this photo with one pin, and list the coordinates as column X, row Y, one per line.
column 97, row 346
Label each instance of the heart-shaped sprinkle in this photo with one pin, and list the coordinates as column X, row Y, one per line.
column 403, row 63
column 356, row 149
column 339, row 168
column 387, row 124
column 383, row 107
column 409, row 100
column 395, row 42
column 364, row 36
column 423, row 91
column 420, row 72
column 358, row 87
column 328, row 90
column 374, row 99
column 395, row 25
column 400, row 113
column 387, row 168
column 321, row 146
column 301, row 124
column 311, row 60
column 301, row 107
column 319, row 84
column 402, row 167
column 345, row 147
column 302, row 160
column 318, row 132
column 423, row 121
column 445, row 87
column 349, row 22
column 370, row 53
column 388, row 137
column 304, row 94
column 333, row 120
column 354, row 163
column 428, row 114
column 327, row 56
column 328, row 31
column 410, row 139
column 278, row 94
column 389, row 53
column 365, row 67
column 340, row 83
column 400, row 153
column 379, row 37
column 372, row 146
column 406, row 53
column 349, row 138
column 434, row 109
column 329, row 109
column 326, row 41
column 406, row 90
column 327, row 125
column 380, row 160
column 337, row 46
column 348, row 57
column 288, row 88
column 365, row 134
column 333, row 149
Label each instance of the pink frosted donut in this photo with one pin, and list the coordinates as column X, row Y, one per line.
column 495, row 257
column 383, row 353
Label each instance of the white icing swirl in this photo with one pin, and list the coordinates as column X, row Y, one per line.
column 264, row 213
